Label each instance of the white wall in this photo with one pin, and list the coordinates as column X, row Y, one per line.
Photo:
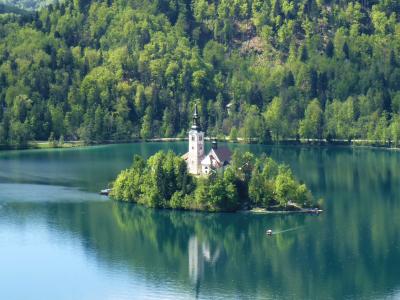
column 196, row 151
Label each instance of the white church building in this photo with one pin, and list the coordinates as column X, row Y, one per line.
column 197, row 162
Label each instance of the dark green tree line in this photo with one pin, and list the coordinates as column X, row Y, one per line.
column 118, row 70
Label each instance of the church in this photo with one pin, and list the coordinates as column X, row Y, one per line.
column 198, row 163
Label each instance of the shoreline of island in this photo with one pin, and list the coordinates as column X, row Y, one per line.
column 315, row 210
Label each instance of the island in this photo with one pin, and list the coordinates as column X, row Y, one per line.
column 248, row 182
column 218, row 181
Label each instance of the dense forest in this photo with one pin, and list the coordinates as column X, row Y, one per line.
column 117, row 70
column 28, row 5
column 163, row 181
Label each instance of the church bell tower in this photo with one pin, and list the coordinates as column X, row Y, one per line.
column 196, row 145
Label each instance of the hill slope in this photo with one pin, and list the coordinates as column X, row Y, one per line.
column 7, row 9
column 113, row 70
column 26, row 4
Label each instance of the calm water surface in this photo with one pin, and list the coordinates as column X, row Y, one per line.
column 60, row 240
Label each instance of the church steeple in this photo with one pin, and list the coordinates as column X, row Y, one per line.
column 196, row 145
column 195, row 124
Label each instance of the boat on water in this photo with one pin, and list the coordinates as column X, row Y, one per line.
column 105, row 192
column 269, row 232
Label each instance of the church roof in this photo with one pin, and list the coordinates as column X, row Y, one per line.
column 206, row 160
column 185, row 156
column 222, row 154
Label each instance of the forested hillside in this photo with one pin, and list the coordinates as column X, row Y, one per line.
column 122, row 69
column 7, row 9
column 26, row 4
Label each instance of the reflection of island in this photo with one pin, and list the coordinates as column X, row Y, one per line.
column 200, row 254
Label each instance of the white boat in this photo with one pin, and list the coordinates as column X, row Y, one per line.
column 105, row 192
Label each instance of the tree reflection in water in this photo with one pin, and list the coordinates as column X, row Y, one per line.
column 352, row 250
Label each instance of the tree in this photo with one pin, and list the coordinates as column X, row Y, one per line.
column 312, row 124
column 395, row 130
column 52, row 141
column 330, row 49
column 274, row 118
column 233, row 134
column 256, row 193
column 303, row 53
column 167, row 124
column 146, row 131
column 57, row 121
column 339, row 119
column 346, row 50
column 254, row 126
column 61, row 141
column 19, row 134
column 98, row 124
column 285, row 186
column 214, row 53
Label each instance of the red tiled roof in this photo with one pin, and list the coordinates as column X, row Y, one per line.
column 223, row 154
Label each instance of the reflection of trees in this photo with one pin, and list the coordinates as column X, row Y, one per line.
column 351, row 243
column 352, row 249
column 222, row 249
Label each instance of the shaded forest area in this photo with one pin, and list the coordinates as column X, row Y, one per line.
column 118, row 70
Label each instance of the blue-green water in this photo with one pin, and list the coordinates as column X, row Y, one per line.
column 60, row 240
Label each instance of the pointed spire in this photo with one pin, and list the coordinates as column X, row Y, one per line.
column 195, row 125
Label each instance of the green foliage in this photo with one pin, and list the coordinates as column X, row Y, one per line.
column 163, row 181
column 115, row 70
column 28, row 5
column 254, row 126
column 155, row 182
column 233, row 134
column 311, row 125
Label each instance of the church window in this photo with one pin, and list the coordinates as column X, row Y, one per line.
column 192, row 148
column 192, row 137
column 200, row 138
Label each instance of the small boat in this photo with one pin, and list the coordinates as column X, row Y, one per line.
column 269, row 232
column 105, row 192
column 315, row 210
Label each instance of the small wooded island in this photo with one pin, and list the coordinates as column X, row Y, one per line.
column 247, row 182
column 217, row 181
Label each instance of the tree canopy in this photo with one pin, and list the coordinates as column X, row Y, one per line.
column 122, row 69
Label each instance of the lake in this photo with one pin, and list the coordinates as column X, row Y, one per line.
column 59, row 239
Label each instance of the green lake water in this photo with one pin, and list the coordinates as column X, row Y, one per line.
column 60, row 240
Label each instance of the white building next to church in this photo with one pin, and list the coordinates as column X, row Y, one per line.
column 197, row 162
